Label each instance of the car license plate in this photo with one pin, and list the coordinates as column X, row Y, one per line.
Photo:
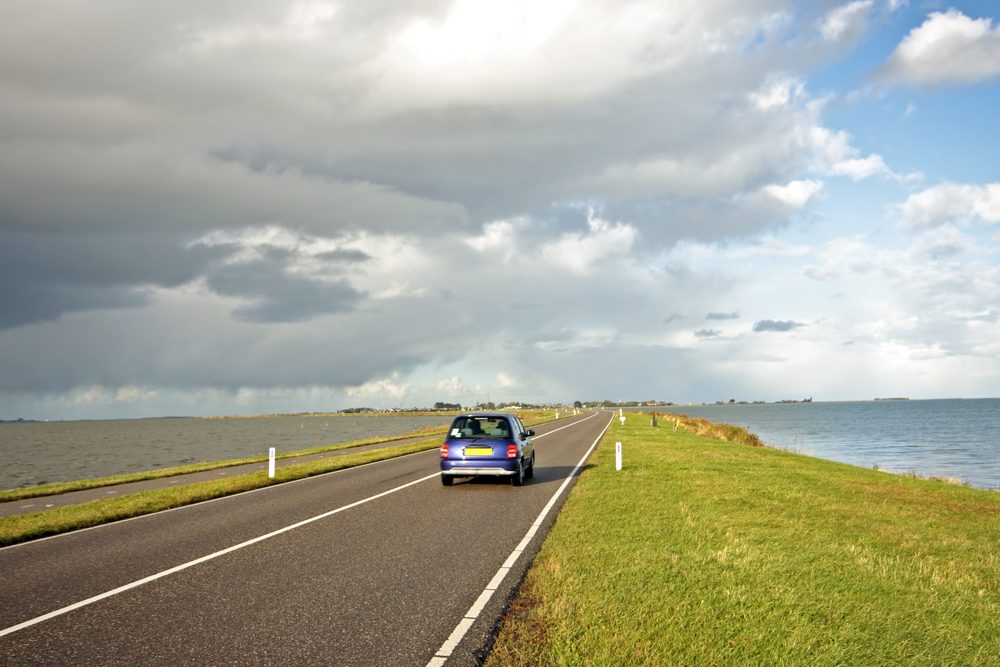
column 479, row 451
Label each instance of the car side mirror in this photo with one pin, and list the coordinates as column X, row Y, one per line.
column 529, row 433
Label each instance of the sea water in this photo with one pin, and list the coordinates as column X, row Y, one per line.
column 62, row 451
column 956, row 438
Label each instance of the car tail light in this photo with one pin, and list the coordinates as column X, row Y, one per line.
column 512, row 451
column 444, row 450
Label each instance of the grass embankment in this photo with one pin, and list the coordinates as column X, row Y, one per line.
column 24, row 527
column 714, row 553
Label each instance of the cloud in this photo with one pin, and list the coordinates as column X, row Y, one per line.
column 943, row 243
column 271, row 294
column 778, row 92
column 281, row 276
column 833, row 154
column 858, row 169
column 796, row 194
column 499, row 238
column 768, row 246
column 947, row 48
column 722, row 316
column 775, row 325
column 846, row 22
column 451, row 386
column 43, row 276
column 577, row 251
column 389, row 387
column 265, row 204
column 951, row 203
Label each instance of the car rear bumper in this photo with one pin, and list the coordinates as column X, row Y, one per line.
column 467, row 468
column 477, row 472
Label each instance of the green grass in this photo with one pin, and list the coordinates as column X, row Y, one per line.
column 702, row 552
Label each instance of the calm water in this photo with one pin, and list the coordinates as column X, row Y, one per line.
column 40, row 452
column 946, row 438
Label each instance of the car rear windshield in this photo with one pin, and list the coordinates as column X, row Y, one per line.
column 480, row 427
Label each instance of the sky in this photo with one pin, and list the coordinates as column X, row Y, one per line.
column 236, row 207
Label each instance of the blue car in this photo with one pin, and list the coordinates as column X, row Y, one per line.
column 492, row 444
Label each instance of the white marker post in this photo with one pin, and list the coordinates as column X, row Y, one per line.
column 618, row 456
column 270, row 462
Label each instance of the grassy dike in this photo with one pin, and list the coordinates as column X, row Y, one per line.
column 704, row 552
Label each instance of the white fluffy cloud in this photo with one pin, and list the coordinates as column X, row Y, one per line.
column 796, row 194
column 499, row 239
column 381, row 389
column 951, row 203
column 949, row 47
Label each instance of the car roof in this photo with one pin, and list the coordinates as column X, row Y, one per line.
column 506, row 415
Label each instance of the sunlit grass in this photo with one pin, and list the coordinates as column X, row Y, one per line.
column 710, row 553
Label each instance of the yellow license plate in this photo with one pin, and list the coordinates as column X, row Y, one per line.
column 479, row 451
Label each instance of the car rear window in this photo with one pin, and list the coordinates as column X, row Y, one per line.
column 480, row 427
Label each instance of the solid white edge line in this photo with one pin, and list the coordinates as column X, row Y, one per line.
column 159, row 575
column 454, row 639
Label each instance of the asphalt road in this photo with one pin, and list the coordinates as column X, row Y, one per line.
column 320, row 571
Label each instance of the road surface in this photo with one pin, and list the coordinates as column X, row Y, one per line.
column 375, row 565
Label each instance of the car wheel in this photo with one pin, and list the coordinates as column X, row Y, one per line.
column 447, row 480
column 530, row 472
column 518, row 478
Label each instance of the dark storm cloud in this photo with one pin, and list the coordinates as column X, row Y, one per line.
column 345, row 256
column 775, row 325
column 45, row 275
column 274, row 295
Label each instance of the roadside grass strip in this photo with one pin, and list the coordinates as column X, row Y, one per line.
column 705, row 552
column 24, row 527
column 41, row 490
